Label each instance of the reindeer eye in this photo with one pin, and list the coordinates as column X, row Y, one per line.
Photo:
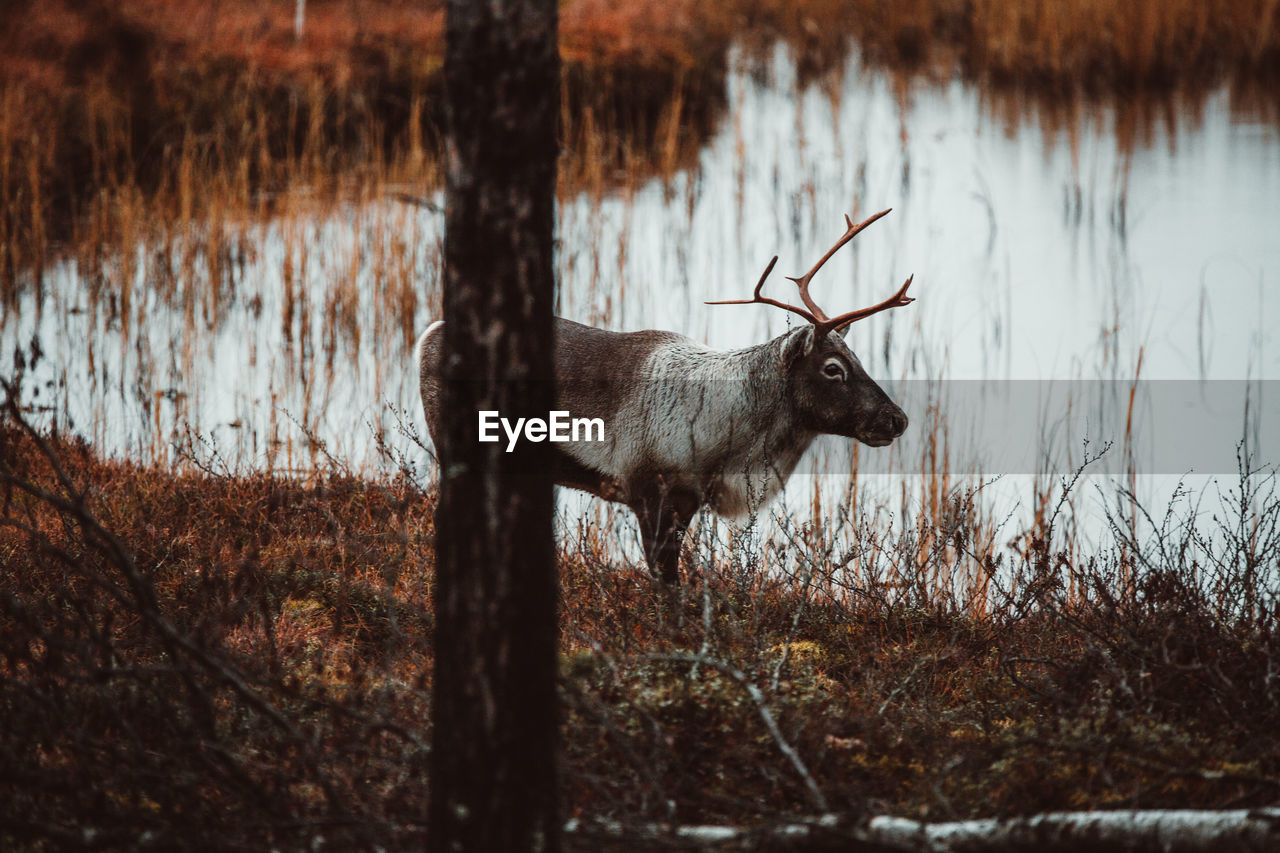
column 833, row 369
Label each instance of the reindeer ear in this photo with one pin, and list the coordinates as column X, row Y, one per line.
column 798, row 344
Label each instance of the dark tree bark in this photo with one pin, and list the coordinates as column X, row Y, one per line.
column 493, row 780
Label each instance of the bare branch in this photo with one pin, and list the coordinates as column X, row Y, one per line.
column 766, row 716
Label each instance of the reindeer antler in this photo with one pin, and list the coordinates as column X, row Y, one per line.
column 814, row 314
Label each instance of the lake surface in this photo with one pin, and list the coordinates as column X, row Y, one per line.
column 1055, row 262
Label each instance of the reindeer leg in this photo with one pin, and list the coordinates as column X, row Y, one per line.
column 664, row 517
column 647, row 508
column 683, row 508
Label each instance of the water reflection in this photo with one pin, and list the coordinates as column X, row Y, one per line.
column 1106, row 247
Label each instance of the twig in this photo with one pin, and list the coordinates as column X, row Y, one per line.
column 766, row 716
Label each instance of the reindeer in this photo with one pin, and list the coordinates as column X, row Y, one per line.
column 688, row 426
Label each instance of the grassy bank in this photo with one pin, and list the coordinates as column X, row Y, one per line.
column 225, row 662
column 118, row 118
column 115, row 117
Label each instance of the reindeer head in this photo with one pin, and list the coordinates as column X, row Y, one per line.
column 829, row 390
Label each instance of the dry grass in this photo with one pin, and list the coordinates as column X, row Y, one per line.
column 119, row 117
column 122, row 116
column 246, row 661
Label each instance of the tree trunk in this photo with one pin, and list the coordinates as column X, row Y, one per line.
column 493, row 779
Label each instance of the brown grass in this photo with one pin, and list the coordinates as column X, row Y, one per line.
column 252, row 663
column 217, row 110
column 119, row 116
column 245, row 661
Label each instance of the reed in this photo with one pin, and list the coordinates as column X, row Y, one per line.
column 201, row 110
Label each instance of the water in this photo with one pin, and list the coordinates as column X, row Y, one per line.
column 1042, row 251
